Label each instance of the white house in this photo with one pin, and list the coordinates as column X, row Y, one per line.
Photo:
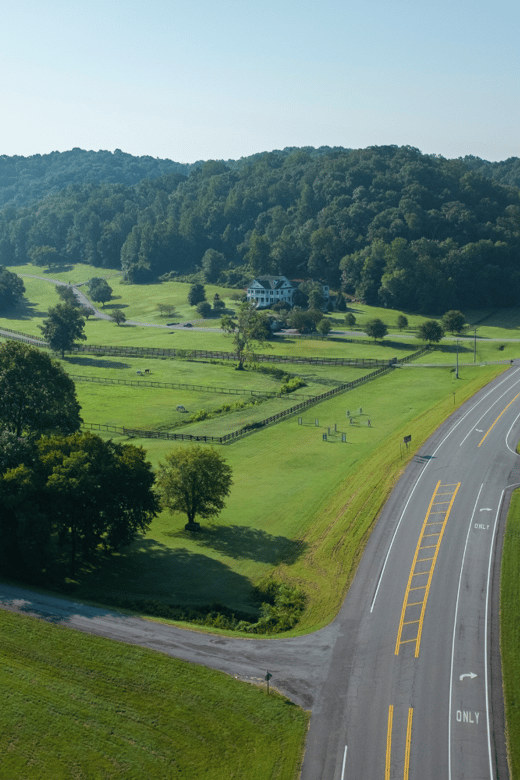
column 267, row 290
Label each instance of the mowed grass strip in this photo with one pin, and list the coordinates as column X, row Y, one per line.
column 86, row 707
column 510, row 633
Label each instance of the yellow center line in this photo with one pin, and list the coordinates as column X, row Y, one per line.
column 408, row 743
column 389, row 741
column 498, row 418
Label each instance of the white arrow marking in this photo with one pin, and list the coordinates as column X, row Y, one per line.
column 471, row 675
column 478, row 430
column 486, row 509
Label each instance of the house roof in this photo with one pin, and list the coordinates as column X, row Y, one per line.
column 271, row 282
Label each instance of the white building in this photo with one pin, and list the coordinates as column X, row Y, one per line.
column 268, row 290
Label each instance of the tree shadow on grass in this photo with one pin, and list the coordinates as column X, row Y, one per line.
column 96, row 362
column 242, row 542
column 108, row 306
column 25, row 310
column 151, row 570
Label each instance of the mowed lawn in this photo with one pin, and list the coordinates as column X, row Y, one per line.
column 77, row 706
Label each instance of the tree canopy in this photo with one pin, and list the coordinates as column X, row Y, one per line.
column 12, row 288
column 248, row 329
column 75, row 494
column 36, row 394
column 195, row 481
column 99, row 290
column 375, row 328
column 453, row 321
column 64, row 326
column 430, row 331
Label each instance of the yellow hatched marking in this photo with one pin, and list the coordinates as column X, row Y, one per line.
column 408, row 744
column 413, row 573
column 409, row 622
column 389, row 741
column 421, row 560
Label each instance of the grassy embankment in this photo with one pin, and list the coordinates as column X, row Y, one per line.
column 86, row 707
column 510, row 632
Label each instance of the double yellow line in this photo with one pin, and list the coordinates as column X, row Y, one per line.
column 389, row 743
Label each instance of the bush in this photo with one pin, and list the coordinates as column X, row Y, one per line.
column 292, row 384
column 204, row 309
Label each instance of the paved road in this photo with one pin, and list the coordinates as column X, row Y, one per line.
column 414, row 689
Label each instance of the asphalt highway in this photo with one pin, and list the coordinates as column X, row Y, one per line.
column 414, row 686
column 405, row 683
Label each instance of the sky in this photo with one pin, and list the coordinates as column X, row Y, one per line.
column 225, row 79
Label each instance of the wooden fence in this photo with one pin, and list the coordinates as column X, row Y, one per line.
column 228, row 437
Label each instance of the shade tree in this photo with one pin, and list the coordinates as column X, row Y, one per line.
column 195, row 481
column 36, row 395
column 430, row 331
column 375, row 328
column 247, row 329
column 63, row 327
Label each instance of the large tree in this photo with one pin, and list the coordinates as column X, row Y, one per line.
column 36, row 395
column 24, row 528
column 248, row 329
column 99, row 290
column 453, row 321
column 196, row 294
column 67, row 295
column 376, row 329
column 430, row 331
column 11, row 288
column 96, row 492
column 64, row 326
column 195, row 481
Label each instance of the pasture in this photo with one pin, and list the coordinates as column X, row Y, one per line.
column 85, row 707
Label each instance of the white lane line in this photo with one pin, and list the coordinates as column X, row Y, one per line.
column 455, row 630
column 424, row 469
column 507, row 435
column 484, row 414
column 486, row 635
column 344, row 760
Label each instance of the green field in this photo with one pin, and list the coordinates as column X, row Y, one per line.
column 301, row 510
column 510, row 632
column 77, row 706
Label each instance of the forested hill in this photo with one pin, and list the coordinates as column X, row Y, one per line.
column 391, row 225
column 27, row 179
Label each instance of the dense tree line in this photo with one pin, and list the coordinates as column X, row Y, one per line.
column 390, row 225
column 28, row 179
